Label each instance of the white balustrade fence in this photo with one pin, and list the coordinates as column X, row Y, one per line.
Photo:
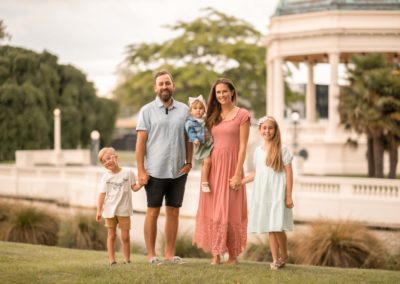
column 374, row 201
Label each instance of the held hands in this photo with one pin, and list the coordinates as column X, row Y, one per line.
column 289, row 202
column 196, row 142
column 143, row 178
column 235, row 182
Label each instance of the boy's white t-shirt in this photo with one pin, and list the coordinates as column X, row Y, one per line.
column 117, row 187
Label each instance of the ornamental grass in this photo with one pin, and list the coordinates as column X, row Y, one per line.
column 83, row 232
column 26, row 224
column 339, row 244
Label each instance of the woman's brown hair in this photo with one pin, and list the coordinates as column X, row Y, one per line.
column 213, row 116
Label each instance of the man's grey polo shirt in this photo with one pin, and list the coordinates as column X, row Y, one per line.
column 165, row 148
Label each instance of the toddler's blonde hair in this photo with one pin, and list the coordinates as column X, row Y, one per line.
column 106, row 150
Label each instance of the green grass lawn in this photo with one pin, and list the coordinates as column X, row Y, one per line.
column 25, row 263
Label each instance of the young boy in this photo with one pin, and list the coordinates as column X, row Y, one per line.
column 115, row 201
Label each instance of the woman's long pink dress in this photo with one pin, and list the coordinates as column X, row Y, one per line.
column 221, row 219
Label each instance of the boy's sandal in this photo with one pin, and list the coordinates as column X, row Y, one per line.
column 113, row 263
column 205, row 187
column 126, row 262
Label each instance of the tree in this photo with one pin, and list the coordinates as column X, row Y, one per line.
column 207, row 48
column 3, row 33
column 370, row 105
column 32, row 85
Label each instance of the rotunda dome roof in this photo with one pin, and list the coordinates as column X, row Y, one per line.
column 291, row 7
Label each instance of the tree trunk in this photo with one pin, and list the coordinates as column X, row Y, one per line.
column 370, row 156
column 393, row 155
column 378, row 155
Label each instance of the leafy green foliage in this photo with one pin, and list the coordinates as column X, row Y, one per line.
column 3, row 32
column 209, row 47
column 370, row 105
column 32, row 85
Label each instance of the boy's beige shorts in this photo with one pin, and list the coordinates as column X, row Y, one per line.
column 123, row 221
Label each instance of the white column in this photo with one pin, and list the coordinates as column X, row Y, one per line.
column 270, row 88
column 310, row 94
column 57, row 130
column 333, row 100
column 279, row 91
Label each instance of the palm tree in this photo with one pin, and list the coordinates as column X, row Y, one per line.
column 370, row 105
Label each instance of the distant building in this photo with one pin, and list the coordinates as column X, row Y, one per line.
column 326, row 32
column 124, row 136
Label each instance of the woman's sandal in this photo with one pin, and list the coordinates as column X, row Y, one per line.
column 216, row 261
column 205, row 187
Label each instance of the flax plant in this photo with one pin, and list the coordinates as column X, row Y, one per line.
column 339, row 244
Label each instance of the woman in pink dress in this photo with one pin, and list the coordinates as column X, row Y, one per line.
column 221, row 219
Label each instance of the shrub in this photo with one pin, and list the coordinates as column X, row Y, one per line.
column 393, row 261
column 258, row 250
column 339, row 244
column 184, row 246
column 82, row 232
column 137, row 248
column 6, row 212
column 30, row 225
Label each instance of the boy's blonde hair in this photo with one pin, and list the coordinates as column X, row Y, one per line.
column 106, row 150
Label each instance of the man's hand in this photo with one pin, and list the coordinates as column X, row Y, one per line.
column 186, row 168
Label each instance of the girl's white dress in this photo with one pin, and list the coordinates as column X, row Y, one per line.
column 268, row 212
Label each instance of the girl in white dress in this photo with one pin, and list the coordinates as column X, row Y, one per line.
column 271, row 202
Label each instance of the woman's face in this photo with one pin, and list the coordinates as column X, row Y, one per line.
column 223, row 94
column 267, row 130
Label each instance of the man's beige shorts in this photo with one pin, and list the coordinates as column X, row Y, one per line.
column 123, row 221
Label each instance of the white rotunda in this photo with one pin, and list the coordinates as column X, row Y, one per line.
column 326, row 32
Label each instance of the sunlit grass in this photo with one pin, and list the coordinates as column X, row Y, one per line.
column 25, row 263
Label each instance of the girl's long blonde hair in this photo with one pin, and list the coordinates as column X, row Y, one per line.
column 274, row 158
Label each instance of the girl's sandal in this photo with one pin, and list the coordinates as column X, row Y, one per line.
column 282, row 262
column 274, row 265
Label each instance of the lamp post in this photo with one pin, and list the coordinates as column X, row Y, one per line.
column 57, row 130
column 94, row 149
column 295, row 117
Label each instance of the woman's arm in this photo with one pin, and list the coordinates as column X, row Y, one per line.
column 236, row 180
column 289, row 186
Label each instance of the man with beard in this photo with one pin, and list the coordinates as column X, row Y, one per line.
column 164, row 158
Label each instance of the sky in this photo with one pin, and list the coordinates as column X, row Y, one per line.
column 92, row 34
